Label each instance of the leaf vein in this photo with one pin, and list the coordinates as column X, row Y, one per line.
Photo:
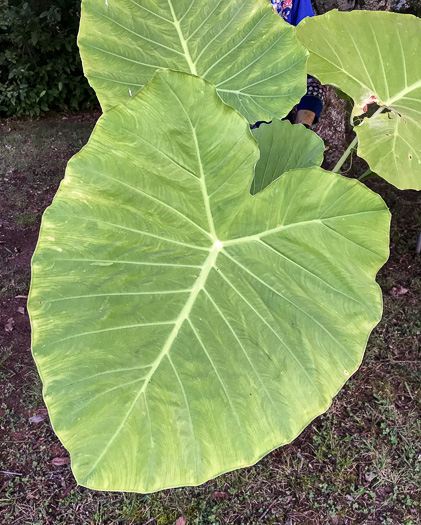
column 240, row 344
column 286, row 299
column 273, row 331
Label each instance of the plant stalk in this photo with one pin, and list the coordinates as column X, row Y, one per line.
column 349, row 149
column 366, row 174
column 342, row 160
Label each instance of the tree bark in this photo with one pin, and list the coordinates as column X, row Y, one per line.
column 321, row 6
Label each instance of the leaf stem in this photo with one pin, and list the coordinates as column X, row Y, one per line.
column 351, row 147
column 348, row 151
column 365, row 175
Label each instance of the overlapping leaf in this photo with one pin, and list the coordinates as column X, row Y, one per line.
column 242, row 46
column 374, row 57
column 402, row 156
column 284, row 147
column 181, row 326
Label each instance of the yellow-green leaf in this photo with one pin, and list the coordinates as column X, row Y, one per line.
column 182, row 327
column 243, row 47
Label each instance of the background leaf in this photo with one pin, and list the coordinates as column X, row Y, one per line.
column 181, row 326
column 242, row 46
column 283, row 147
column 374, row 57
column 392, row 148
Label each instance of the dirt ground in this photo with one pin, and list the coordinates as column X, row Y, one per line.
column 359, row 463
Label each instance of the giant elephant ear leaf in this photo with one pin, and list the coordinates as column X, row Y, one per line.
column 181, row 326
column 242, row 46
column 374, row 57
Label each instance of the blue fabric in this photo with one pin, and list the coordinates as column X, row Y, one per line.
column 300, row 9
column 293, row 11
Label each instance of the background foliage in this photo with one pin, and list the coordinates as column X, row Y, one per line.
column 40, row 67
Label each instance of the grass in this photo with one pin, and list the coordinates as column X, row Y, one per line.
column 359, row 463
column 33, row 155
column 24, row 142
column 14, row 281
column 26, row 219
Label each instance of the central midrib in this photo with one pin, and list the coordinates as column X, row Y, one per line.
column 183, row 42
column 185, row 312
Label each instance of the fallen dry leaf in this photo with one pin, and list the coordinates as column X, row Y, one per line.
column 58, row 462
column 17, row 435
column 9, row 324
column 66, row 492
column 5, row 485
column 33, row 495
column 38, row 418
column 57, row 450
column 218, row 496
column 38, row 443
column 21, row 310
column 398, row 290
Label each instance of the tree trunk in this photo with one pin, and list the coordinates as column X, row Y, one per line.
column 321, row 6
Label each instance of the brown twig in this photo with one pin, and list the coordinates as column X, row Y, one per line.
column 268, row 509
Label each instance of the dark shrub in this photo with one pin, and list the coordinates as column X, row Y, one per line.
column 40, row 67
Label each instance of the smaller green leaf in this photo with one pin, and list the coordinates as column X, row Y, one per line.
column 400, row 162
column 284, row 147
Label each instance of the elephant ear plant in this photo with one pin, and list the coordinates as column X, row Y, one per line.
column 191, row 308
column 375, row 58
column 183, row 327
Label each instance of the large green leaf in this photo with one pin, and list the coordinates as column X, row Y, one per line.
column 375, row 57
column 284, row 147
column 181, row 326
column 242, row 46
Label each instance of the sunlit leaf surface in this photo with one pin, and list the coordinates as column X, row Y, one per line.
column 242, row 46
column 181, row 326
